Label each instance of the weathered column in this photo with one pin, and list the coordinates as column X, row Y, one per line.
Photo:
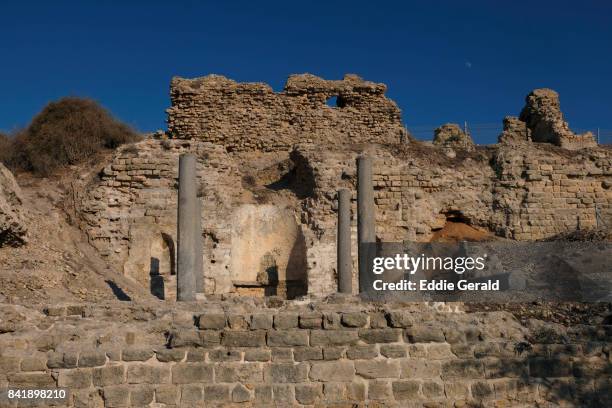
column 344, row 259
column 186, row 233
column 199, row 266
column 366, row 221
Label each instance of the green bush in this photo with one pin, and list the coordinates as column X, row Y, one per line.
column 67, row 132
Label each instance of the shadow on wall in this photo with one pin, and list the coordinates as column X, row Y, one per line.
column 268, row 255
column 162, row 265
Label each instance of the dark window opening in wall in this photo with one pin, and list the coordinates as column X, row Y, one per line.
column 157, row 281
column 456, row 216
column 336, row 101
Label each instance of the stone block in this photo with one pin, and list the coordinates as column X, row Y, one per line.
column 237, row 322
column 311, row 320
column 116, row 396
column 246, row 338
column 185, row 338
column 457, row 389
column 9, row 364
column 185, row 373
column 217, row 392
column 286, row 372
column 170, row 355
column 419, row 368
column 281, row 354
column 140, row 373
column 77, row 378
column 61, row 360
column 141, row 396
column 261, row 321
column 439, row 351
column 331, row 321
column 356, row 319
column 285, row 321
column 284, row 393
column 263, row 394
column 372, row 336
column 432, row 389
column 374, row 369
column 224, row 355
column 393, row 350
column 333, row 353
column 32, row 364
column 361, row 352
column 405, row 390
column 167, row 394
column 238, row 372
column 286, row 338
column 424, row 334
column 379, row 390
column 307, row 353
column 210, row 338
column 92, row 358
column 307, row 394
column 332, row 371
column 459, row 369
column 254, row 354
column 481, row 390
column 109, row 375
column 137, row 354
column 191, row 394
column 356, row 391
column 333, row 337
column 550, row 367
column 195, row 355
column 31, row 380
column 240, row 393
column 215, row 321
column 378, row 320
column 400, row 319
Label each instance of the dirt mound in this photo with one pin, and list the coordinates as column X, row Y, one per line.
column 57, row 263
column 459, row 231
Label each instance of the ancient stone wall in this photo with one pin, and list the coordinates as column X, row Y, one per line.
column 324, row 355
column 251, row 116
column 514, row 191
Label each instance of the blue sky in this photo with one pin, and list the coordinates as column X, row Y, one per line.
column 442, row 61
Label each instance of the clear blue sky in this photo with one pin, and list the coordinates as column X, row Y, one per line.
column 442, row 61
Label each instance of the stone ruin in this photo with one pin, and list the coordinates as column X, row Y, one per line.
column 268, row 169
column 542, row 115
column 451, row 135
column 269, row 165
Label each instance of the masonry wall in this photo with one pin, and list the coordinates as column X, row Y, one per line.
column 251, row 116
column 519, row 192
column 332, row 355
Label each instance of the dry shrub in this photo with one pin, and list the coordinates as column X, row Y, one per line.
column 5, row 148
column 67, row 132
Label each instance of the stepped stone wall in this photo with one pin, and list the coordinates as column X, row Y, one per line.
column 337, row 354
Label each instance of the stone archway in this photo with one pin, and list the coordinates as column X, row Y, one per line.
column 162, row 268
column 268, row 252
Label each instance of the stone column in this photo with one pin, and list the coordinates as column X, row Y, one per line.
column 344, row 259
column 366, row 220
column 199, row 266
column 186, row 229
